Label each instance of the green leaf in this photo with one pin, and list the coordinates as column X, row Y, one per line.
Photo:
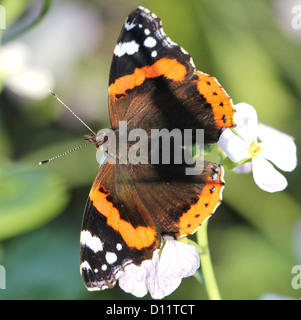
column 14, row 10
column 44, row 264
column 29, row 198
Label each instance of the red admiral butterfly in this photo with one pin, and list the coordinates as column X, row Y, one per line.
column 153, row 84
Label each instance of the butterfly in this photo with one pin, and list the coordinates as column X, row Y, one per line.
column 132, row 208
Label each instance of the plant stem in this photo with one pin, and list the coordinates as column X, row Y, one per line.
column 206, row 264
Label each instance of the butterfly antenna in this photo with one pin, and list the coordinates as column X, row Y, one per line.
column 69, row 109
column 63, row 154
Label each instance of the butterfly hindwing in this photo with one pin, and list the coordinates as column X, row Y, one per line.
column 116, row 229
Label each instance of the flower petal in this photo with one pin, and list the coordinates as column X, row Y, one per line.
column 31, row 82
column 266, row 176
column 161, row 276
column 14, row 56
column 135, row 278
column 278, row 147
column 235, row 147
column 178, row 260
column 246, row 122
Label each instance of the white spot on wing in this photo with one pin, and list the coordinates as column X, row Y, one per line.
column 111, row 257
column 126, row 48
column 85, row 265
column 92, row 242
column 215, row 177
column 150, row 42
column 154, row 54
column 129, row 26
column 144, row 9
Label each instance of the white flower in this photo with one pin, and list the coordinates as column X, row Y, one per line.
column 163, row 274
column 261, row 144
column 19, row 73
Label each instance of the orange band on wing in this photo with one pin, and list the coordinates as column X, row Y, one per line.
column 209, row 200
column 222, row 107
column 170, row 68
column 138, row 238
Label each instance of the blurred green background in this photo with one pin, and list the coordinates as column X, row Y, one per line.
column 253, row 49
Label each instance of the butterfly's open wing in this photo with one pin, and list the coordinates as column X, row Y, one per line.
column 178, row 203
column 129, row 213
column 154, row 84
column 116, row 230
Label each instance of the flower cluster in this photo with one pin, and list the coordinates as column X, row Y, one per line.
column 253, row 146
